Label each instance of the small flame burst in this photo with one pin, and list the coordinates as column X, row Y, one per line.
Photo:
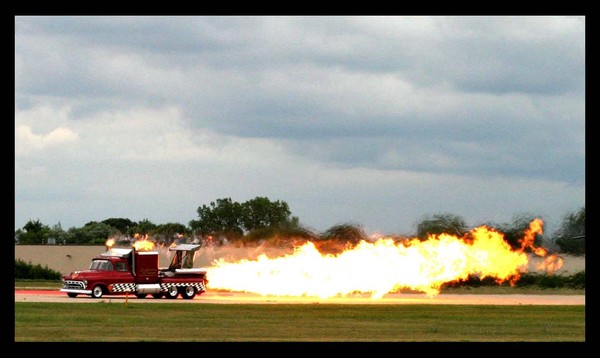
column 382, row 266
column 142, row 243
column 110, row 243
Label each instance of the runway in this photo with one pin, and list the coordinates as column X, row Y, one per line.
column 226, row 297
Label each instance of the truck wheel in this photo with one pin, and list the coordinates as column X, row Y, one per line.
column 97, row 291
column 141, row 295
column 72, row 295
column 157, row 295
column 172, row 292
column 188, row 292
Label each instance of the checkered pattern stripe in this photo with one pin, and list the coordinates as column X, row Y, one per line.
column 198, row 285
column 124, row 287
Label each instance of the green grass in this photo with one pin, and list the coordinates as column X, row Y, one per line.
column 37, row 284
column 150, row 322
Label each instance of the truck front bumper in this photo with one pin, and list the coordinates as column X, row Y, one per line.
column 80, row 292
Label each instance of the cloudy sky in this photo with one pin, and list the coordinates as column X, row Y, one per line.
column 373, row 121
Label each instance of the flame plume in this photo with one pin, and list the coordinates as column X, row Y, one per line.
column 382, row 266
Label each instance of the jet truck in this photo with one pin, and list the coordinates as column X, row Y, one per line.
column 122, row 271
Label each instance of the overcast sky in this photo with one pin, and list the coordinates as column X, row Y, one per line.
column 373, row 121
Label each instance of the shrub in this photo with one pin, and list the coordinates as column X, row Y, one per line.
column 575, row 281
column 28, row 271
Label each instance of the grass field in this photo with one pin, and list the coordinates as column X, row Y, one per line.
column 152, row 322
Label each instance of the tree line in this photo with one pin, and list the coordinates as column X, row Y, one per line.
column 260, row 218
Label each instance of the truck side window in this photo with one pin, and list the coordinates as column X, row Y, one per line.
column 121, row 266
column 188, row 260
column 176, row 261
column 107, row 266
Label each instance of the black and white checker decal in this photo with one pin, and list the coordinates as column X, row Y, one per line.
column 124, row 287
column 198, row 285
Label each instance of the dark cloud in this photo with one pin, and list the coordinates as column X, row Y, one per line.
column 468, row 96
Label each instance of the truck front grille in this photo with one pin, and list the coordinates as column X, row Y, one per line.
column 75, row 285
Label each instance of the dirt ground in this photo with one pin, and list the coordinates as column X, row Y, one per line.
column 65, row 258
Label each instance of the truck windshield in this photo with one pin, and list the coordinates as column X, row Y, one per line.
column 101, row 265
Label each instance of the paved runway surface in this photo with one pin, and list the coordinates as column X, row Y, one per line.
column 223, row 297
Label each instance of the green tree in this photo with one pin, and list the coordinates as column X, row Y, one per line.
column 92, row 233
column 223, row 217
column 170, row 232
column 33, row 233
column 570, row 237
column 232, row 220
column 442, row 223
column 34, row 226
column 144, row 227
column 120, row 224
column 57, row 233
column 260, row 213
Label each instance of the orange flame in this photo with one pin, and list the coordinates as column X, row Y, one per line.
column 109, row 243
column 378, row 267
column 550, row 263
column 142, row 243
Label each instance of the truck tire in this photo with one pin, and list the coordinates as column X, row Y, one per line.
column 97, row 291
column 157, row 295
column 188, row 292
column 72, row 295
column 141, row 295
column 172, row 292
